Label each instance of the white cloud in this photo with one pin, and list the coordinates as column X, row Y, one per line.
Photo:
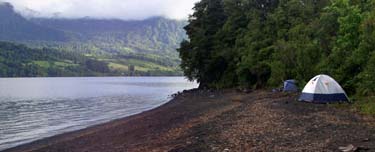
column 120, row 9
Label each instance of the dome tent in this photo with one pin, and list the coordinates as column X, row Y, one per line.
column 290, row 86
column 323, row 89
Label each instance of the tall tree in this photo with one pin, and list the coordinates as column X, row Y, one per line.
column 260, row 43
column 196, row 54
column 339, row 63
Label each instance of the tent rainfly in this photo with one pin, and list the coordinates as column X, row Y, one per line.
column 290, row 86
column 323, row 89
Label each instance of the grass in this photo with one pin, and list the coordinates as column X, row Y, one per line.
column 65, row 64
column 143, row 69
column 118, row 67
column 43, row 64
column 144, row 66
column 362, row 105
column 46, row 64
column 366, row 105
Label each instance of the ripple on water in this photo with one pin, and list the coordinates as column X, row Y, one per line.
column 32, row 109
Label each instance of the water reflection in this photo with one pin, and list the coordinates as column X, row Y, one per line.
column 33, row 108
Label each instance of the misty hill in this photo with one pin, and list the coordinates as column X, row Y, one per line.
column 21, row 61
column 148, row 45
column 14, row 27
column 157, row 35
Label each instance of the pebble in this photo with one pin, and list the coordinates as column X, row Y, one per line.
column 366, row 139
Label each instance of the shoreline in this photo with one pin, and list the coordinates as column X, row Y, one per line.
column 223, row 120
column 40, row 143
column 71, row 133
column 92, row 77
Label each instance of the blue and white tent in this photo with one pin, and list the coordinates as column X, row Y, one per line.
column 323, row 89
column 290, row 86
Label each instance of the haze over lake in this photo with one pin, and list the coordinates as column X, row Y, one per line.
column 35, row 108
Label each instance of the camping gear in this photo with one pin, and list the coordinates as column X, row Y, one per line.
column 348, row 148
column 323, row 89
column 290, row 86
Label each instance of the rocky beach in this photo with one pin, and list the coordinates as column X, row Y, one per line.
column 225, row 120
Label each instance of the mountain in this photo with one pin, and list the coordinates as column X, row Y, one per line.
column 21, row 61
column 155, row 35
column 14, row 27
column 147, row 45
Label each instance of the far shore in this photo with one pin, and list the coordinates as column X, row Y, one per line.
column 89, row 77
column 224, row 120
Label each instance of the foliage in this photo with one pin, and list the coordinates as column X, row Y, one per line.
column 21, row 61
column 152, row 41
column 255, row 43
column 366, row 105
column 14, row 27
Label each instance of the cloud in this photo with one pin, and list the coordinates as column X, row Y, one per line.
column 119, row 9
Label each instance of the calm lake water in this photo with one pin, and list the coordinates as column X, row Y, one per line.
column 35, row 108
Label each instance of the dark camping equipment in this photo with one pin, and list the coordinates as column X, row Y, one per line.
column 290, row 86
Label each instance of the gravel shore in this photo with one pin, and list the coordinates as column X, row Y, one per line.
column 224, row 120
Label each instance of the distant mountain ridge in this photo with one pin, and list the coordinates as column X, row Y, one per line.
column 158, row 35
column 154, row 34
column 148, row 45
column 14, row 27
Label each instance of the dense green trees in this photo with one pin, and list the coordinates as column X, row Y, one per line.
column 203, row 64
column 21, row 61
column 257, row 43
column 150, row 44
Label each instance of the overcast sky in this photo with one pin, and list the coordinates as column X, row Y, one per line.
column 120, row 9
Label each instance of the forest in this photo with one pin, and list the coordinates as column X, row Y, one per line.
column 261, row 43
column 21, row 61
column 131, row 48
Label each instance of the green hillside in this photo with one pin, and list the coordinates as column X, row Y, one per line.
column 148, row 45
column 156, row 35
column 21, row 61
column 14, row 27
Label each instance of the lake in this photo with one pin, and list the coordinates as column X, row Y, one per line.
column 36, row 108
